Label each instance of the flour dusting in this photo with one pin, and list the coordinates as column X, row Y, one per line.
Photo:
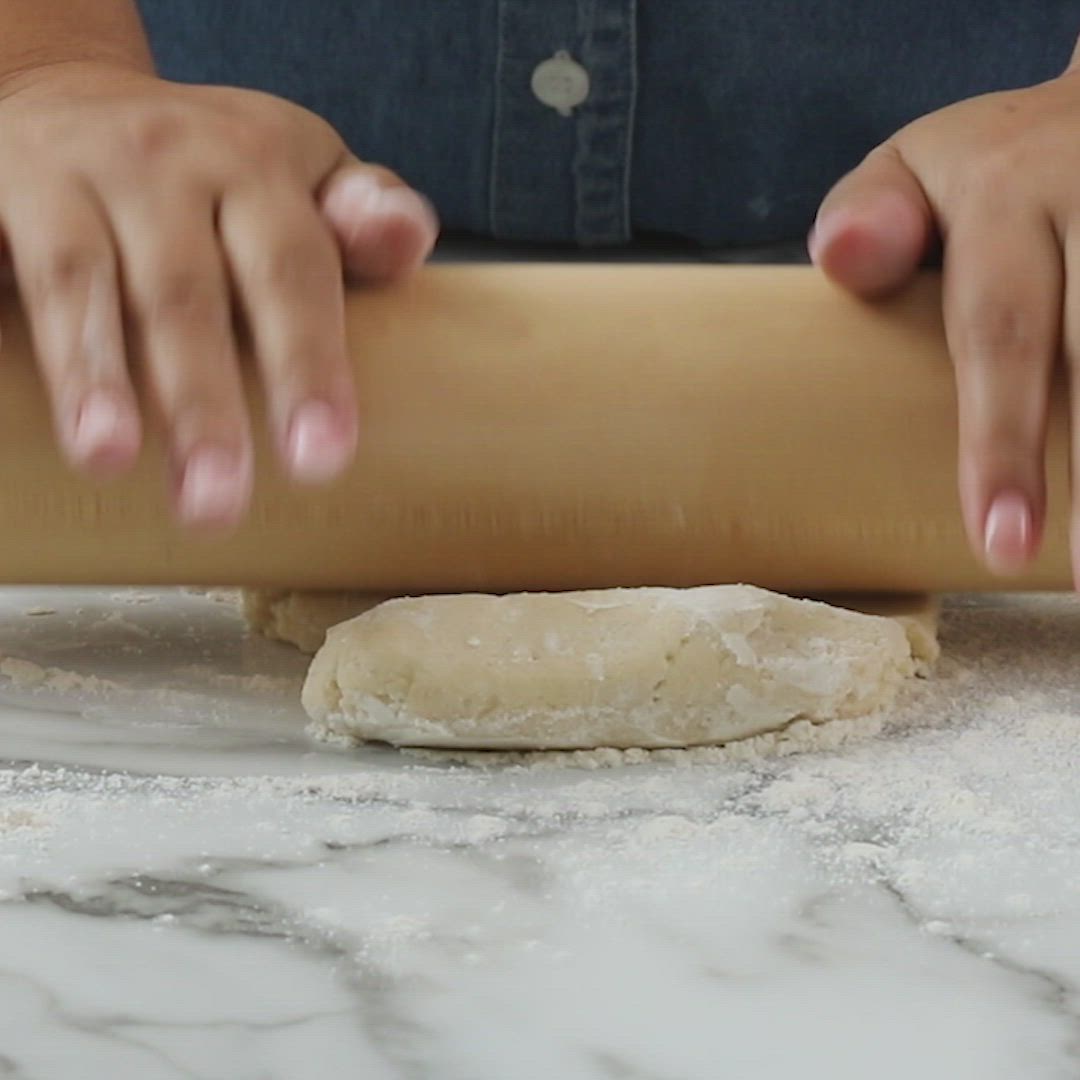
column 26, row 675
column 800, row 737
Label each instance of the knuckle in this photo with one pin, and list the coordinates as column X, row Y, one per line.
column 997, row 429
column 1000, row 442
column 255, row 138
column 1005, row 147
column 299, row 364
column 997, row 165
column 63, row 269
column 152, row 135
column 309, row 353
column 986, row 184
column 288, row 266
column 180, row 292
column 304, row 366
column 1004, row 332
column 259, row 146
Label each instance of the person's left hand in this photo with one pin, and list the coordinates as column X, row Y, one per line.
column 997, row 180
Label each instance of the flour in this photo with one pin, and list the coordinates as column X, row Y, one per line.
column 798, row 738
column 22, row 673
column 114, row 620
column 258, row 683
column 216, row 594
column 26, row 675
column 10, row 820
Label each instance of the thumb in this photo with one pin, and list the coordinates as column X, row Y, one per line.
column 874, row 227
column 385, row 229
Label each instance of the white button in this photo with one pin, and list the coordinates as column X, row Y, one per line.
column 561, row 82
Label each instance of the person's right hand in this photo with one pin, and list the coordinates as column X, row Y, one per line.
column 138, row 214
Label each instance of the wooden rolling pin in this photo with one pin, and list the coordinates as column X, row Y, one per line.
column 563, row 426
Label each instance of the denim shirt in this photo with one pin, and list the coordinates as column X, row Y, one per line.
column 720, row 121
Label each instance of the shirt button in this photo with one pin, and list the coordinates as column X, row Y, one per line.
column 561, row 82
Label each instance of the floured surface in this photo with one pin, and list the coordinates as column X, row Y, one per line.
column 908, row 903
column 623, row 668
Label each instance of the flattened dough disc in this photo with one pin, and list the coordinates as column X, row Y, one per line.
column 622, row 668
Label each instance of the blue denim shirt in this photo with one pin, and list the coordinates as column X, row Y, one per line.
column 720, row 121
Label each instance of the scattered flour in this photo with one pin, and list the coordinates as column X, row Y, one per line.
column 115, row 620
column 19, row 818
column 259, row 683
column 26, row 675
column 800, row 737
column 22, row 673
column 228, row 597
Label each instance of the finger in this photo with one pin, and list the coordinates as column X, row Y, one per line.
column 1071, row 354
column 874, row 226
column 178, row 299
column 6, row 270
column 1002, row 302
column 385, row 229
column 287, row 274
column 65, row 267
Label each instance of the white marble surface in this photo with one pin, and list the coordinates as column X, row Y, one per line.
column 190, row 889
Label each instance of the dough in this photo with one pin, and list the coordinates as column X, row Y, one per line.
column 916, row 614
column 302, row 618
column 624, row 668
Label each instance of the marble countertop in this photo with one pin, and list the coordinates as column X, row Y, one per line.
column 190, row 888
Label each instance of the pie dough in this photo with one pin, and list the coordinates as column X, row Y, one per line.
column 300, row 617
column 649, row 667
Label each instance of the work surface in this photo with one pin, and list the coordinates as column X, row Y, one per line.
column 189, row 888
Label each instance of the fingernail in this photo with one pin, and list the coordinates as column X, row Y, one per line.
column 364, row 195
column 320, row 442
column 103, row 427
column 1007, row 534
column 403, row 200
column 812, row 243
column 361, row 192
column 214, row 488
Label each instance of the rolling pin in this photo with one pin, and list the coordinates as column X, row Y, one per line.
column 530, row 426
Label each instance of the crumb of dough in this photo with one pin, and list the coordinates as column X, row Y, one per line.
column 302, row 617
